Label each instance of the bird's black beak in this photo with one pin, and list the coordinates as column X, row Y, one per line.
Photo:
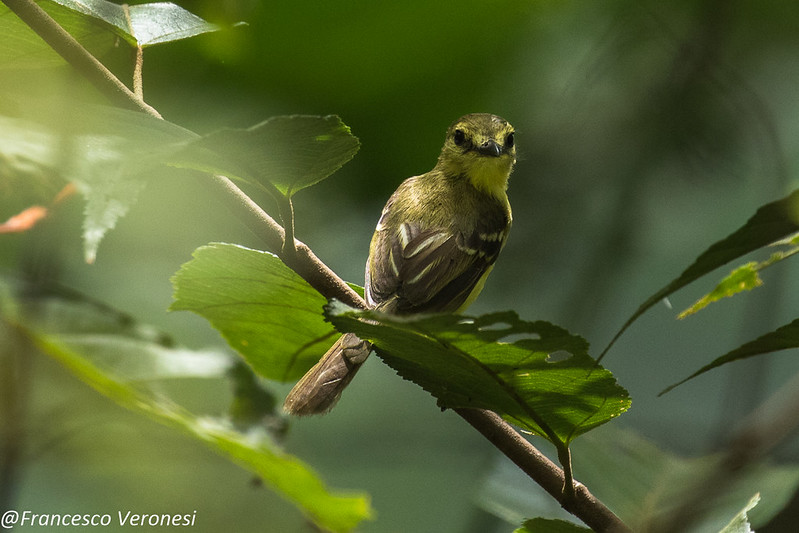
column 490, row 148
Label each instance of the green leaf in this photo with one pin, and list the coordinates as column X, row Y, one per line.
column 111, row 357
column 740, row 523
column 286, row 474
column 540, row 378
column 782, row 338
column 22, row 48
column 265, row 311
column 144, row 24
column 770, row 223
column 745, row 277
column 543, row 525
column 107, row 152
column 97, row 25
column 287, row 153
column 164, row 22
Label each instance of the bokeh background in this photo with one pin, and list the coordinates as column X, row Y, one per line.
column 646, row 131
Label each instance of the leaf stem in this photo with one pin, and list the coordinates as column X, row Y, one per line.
column 138, row 64
column 304, row 262
column 287, row 217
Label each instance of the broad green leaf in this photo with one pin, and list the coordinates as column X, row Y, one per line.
column 22, row 48
column 107, row 152
column 745, row 277
column 286, row 474
column 544, row 525
column 534, row 374
column 144, row 24
column 97, row 25
column 82, row 339
column 287, row 153
column 782, row 338
column 265, row 311
column 740, row 523
column 770, row 223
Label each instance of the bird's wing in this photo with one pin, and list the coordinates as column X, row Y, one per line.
column 413, row 270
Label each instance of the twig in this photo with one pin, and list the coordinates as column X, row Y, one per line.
column 309, row 267
column 540, row 469
column 138, row 64
column 77, row 56
column 304, row 262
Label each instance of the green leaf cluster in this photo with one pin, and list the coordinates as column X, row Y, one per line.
column 775, row 224
column 534, row 374
column 119, row 358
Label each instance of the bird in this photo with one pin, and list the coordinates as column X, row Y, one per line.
column 435, row 243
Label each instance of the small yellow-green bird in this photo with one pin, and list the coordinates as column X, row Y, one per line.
column 435, row 243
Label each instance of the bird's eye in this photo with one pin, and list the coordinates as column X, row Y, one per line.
column 509, row 140
column 459, row 137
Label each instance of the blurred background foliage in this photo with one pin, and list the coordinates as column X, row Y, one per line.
column 646, row 131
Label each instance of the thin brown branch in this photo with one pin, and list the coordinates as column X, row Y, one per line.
column 540, row 469
column 303, row 261
column 582, row 504
column 77, row 56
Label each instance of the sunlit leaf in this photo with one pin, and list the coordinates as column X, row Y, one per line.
column 740, row 523
column 144, row 24
column 743, row 278
column 164, row 22
column 112, row 355
column 265, row 311
column 97, row 25
column 286, row 474
column 22, row 48
column 534, row 374
column 782, row 338
column 287, row 153
column 770, row 223
column 107, row 152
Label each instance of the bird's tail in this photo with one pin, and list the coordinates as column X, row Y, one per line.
column 320, row 388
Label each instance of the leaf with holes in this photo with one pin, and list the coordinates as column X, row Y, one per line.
column 534, row 374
